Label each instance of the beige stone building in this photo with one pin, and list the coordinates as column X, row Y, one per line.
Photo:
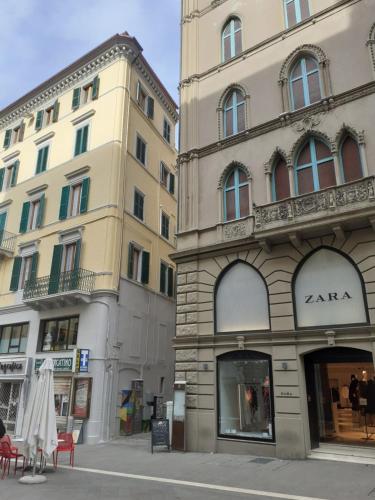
column 276, row 244
column 87, row 220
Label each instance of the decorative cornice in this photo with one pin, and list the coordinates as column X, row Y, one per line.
column 83, row 117
column 44, row 138
column 78, row 172
column 10, row 157
column 37, row 189
column 5, row 203
column 276, row 123
column 118, row 46
column 345, row 129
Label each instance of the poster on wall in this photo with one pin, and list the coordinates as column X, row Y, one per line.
column 82, row 398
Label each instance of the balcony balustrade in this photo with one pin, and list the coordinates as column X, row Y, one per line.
column 341, row 204
column 7, row 243
column 68, row 288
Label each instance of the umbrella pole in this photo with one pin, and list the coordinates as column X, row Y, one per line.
column 35, row 478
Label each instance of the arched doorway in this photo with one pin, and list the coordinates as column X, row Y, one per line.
column 340, row 387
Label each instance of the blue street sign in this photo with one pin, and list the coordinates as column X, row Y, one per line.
column 84, row 360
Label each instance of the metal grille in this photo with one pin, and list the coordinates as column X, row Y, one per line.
column 9, row 398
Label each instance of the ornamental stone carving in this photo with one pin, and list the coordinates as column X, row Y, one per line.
column 337, row 199
column 308, row 122
column 235, row 231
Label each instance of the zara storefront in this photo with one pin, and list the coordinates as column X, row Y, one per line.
column 287, row 362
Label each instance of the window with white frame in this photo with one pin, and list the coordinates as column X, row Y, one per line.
column 231, row 39
column 74, row 198
column 166, row 279
column 138, row 263
column 45, row 117
column 32, row 214
column 14, row 135
column 296, row 11
column 89, row 92
column 24, row 270
column 167, row 179
column 141, row 149
column 164, row 225
column 9, row 175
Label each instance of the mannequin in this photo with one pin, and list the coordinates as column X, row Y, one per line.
column 353, row 393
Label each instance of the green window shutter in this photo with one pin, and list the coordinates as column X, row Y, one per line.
column 21, row 132
column 170, row 281
column 84, row 195
column 64, row 202
column 2, row 174
column 76, row 98
column 7, row 138
column 55, row 112
column 24, row 217
column 145, row 267
column 130, row 261
column 150, row 107
column 171, row 183
column 74, row 277
column 34, row 266
column 39, row 120
column 54, row 278
column 95, row 88
column 39, row 161
column 163, row 269
column 13, row 180
column 15, row 274
column 77, row 255
column 40, row 216
column 84, row 139
column 77, row 148
column 44, row 158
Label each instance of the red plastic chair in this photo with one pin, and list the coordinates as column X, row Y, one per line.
column 6, row 439
column 65, row 445
column 7, row 456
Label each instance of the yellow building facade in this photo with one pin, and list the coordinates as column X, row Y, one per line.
column 87, row 221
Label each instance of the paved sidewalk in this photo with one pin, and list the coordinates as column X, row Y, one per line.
column 259, row 479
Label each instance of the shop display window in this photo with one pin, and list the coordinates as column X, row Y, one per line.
column 13, row 338
column 245, row 396
column 59, row 334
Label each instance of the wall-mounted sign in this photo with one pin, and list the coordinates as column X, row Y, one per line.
column 82, row 397
column 13, row 367
column 59, row 364
column 178, row 423
column 328, row 291
column 84, row 360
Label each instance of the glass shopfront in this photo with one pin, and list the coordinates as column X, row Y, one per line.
column 245, row 396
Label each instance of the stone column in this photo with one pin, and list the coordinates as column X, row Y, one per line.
column 291, row 178
column 362, row 153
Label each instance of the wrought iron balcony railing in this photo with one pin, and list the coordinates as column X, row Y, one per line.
column 331, row 201
column 7, row 242
column 79, row 280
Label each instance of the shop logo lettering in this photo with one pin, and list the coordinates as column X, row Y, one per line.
column 4, row 367
column 329, row 297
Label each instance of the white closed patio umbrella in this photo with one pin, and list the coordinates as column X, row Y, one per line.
column 39, row 426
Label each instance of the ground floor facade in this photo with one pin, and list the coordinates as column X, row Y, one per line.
column 93, row 343
column 268, row 339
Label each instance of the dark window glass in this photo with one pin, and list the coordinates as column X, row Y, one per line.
column 231, row 39
column 291, row 14
column 165, row 226
column 141, row 150
column 13, row 338
column 305, row 83
column 245, row 396
column 350, row 160
column 298, row 95
column 305, row 155
column 327, row 176
column 138, row 204
column 244, row 201
column 305, row 180
column 59, row 334
column 281, row 181
column 314, row 87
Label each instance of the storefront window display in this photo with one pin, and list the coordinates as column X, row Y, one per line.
column 245, row 396
column 59, row 334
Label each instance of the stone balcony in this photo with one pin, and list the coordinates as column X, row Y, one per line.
column 333, row 209
column 7, row 243
column 69, row 288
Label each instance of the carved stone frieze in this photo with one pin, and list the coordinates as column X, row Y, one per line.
column 336, row 199
column 308, row 122
column 236, row 231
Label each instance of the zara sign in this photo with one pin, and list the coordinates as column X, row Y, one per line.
column 328, row 291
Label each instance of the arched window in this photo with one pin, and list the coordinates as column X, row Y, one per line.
column 236, row 195
column 296, row 11
column 350, row 159
column 234, row 113
column 328, row 290
column 305, row 85
column 241, row 300
column 314, row 168
column 231, row 39
column 280, row 180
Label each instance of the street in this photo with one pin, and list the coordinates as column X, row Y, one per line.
column 126, row 469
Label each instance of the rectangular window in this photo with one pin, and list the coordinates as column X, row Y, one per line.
column 167, row 131
column 138, row 263
column 138, row 204
column 45, row 117
column 164, row 175
column 81, row 140
column 296, row 11
column 74, row 199
column 166, row 279
column 10, row 175
column 13, row 338
column 48, row 116
column 165, row 225
column 34, row 213
column 85, row 94
column 41, row 162
column 141, row 97
column 25, row 271
column 141, row 150
column 69, row 255
column 14, row 135
column 59, row 334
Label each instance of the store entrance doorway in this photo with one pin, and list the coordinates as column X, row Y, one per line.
column 340, row 386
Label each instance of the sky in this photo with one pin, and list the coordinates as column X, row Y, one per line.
column 41, row 37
